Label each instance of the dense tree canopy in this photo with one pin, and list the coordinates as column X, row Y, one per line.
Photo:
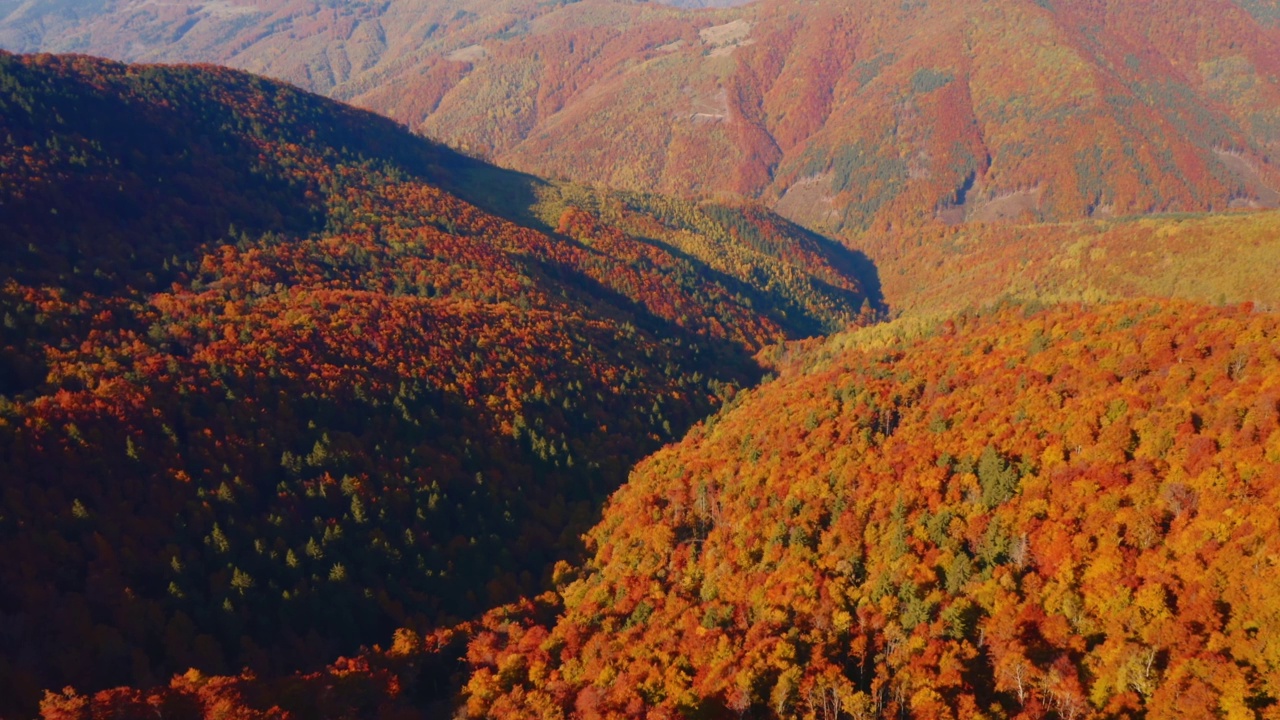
column 270, row 392
column 1066, row 513
column 304, row 416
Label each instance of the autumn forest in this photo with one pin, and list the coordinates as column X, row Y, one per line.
column 617, row 359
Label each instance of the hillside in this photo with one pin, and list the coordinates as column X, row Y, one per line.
column 841, row 115
column 548, row 395
column 1064, row 513
column 270, row 387
column 1013, row 513
column 934, row 271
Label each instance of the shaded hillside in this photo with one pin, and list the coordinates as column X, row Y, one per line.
column 1066, row 513
column 874, row 113
column 269, row 391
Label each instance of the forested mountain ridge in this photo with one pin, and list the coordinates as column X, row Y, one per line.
column 272, row 389
column 842, row 115
column 1061, row 513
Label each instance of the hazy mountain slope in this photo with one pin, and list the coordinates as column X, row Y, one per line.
column 1221, row 258
column 268, row 390
column 841, row 114
column 1025, row 514
column 699, row 4
column 339, row 49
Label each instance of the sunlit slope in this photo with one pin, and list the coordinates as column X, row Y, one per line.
column 1229, row 258
column 843, row 115
column 1066, row 513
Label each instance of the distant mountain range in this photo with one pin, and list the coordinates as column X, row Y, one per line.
column 842, row 115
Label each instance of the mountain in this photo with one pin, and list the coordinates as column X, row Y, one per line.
column 1017, row 513
column 845, row 116
column 305, row 415
column 278, row 377
column 934, row 271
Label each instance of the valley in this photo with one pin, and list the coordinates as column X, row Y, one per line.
column 811, row 359
column 271, row 391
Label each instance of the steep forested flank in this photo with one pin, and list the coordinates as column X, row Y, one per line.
column 843, row 114
column 1060, row 514
column 268, row 392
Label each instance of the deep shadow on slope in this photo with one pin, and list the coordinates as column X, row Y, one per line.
column 149, row 169
column 855, row 263
column 775, row 305
column 102, row 213
column 200, row 176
